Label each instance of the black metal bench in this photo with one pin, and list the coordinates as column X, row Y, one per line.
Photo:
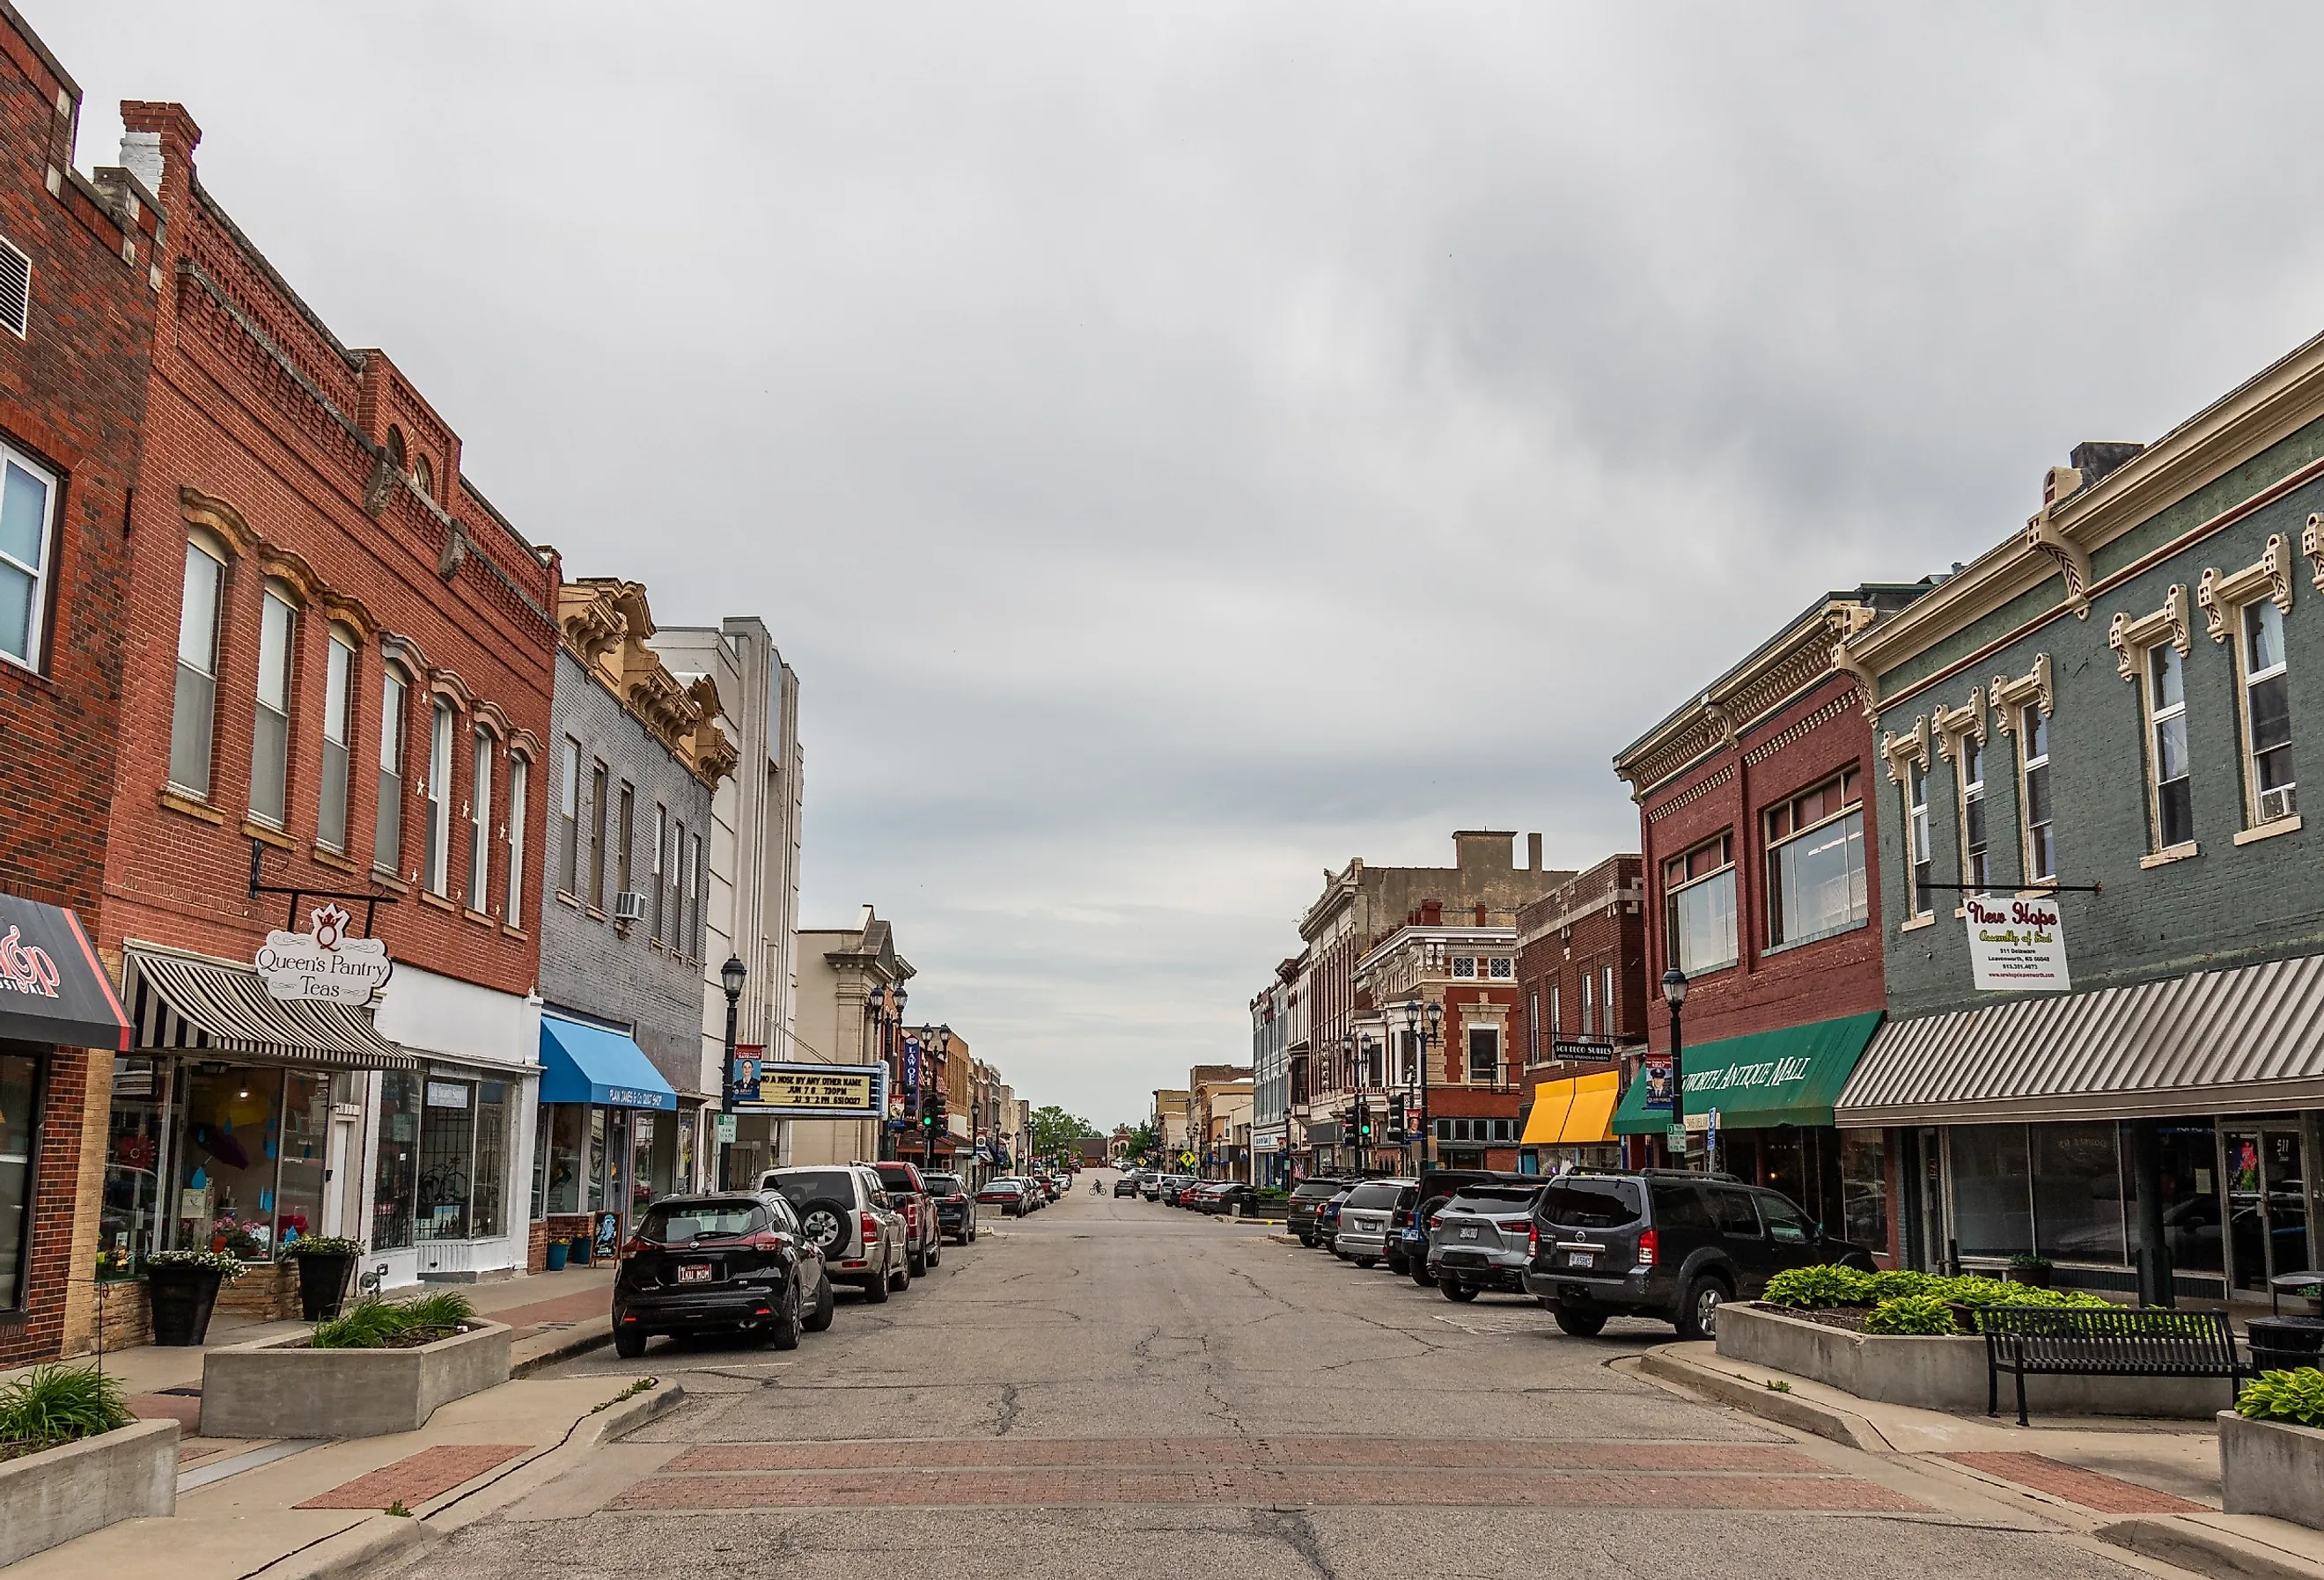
column 2053, row 1340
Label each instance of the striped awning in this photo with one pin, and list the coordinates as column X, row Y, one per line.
column 181, row 1003
column 2208, row 1042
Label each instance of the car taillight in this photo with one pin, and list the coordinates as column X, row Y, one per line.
column 635, row 1245
column 764, row 1240
column 871, row 1228
column 1533, row 1240
column 1647, row 1248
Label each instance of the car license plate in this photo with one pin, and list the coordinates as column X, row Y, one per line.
column 1469, row 1233
column 1580, row 1259
column 694, row 1273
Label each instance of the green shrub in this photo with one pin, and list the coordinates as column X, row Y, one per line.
column 1925, row 1315
column 60, row 1404
column 2297, row 1397
column 324, row 1245
column 447, row 1308
column 376, row 1324
column 1814, row 1288
column 1898, row 1284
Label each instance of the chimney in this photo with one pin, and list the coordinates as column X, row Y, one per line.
column 1484, row 849
column 1431, row 913
column 1480, row 913
column 158, row 148
column 2094, row 458
column 141, row 156
column 1533, row 852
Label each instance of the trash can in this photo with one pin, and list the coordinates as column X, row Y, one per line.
column 558, row 1252
column 2283, row 1344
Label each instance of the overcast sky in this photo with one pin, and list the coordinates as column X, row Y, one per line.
column 1181, row 447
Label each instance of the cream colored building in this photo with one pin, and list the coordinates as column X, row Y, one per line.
column 841, row 970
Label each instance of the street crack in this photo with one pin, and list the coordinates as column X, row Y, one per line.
column 1296, row 1530
column 1010, row 1409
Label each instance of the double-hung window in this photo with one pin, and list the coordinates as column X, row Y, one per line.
column 622, row 837
column 27, row 534
column 678, row 888
column 1815, row 863
column 2172, row 803
column 696, row 888
column 568, row 820
column 1533, row 1027
column 480, row 824
column 193, row 713
column 1606, row 1000
column 597, row 836
column 520, row 790
column 435, row 873
column 1484, row 1055
column 338, row 721
column 1976, row 844
column 2268, row 715
column 1916, row 835
column 1699, row 906
column 2033, row 797
column 661, row 843
column 270, row 746
column 1589, row 1007
column 387, row 830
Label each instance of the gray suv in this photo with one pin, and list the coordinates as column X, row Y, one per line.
column 1483, row 1240
column 1362, row 1236
column 844, row 1213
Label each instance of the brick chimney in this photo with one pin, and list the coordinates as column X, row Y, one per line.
column 158, row 149
column 1431, row 913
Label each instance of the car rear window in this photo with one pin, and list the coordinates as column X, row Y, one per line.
column 1494, row 1200
column 683, row 1223
column 1581, row 1203
column 894, row 1175
column 817, row 1185
column 1366, row 1197
column 1317, row 1190
column 941, row 1184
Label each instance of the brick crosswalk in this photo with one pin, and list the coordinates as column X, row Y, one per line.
column 2089, row 1488
column 417, row 1477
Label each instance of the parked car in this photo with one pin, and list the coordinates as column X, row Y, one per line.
column 1224, row 1197
column 1007, row 1195
column 1327, row 1217
column 1668, row 1245
column 843, row 1213
column 1126, row 1186
column 1150, row 1188
column 909, row 1194
column 1188, row 1188
column 956, row 1210
column 729, row 1262
column 1306, row 1197
column 1437, row 1187
column 1482, row 1239
column 1362, row 1236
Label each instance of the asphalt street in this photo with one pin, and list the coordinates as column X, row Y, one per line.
column 1115, row 1388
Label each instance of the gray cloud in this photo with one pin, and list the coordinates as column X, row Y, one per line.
column 1182, row 446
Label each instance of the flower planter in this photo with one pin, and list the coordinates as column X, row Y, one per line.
column 59, row 1494
column 323, row 1284
column 2272, row 1467
column 2036, row 1277
column 182, row 1299
column 279, row 1387
column 1944, row 1373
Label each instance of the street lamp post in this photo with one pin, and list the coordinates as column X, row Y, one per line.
column 1425, row 1024
column 730, row 978
column 931, row 1070
column 1675, row 996
column 1348, row 1079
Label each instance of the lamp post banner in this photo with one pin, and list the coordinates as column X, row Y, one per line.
column 1656, row 1073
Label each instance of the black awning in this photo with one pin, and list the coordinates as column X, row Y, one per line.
column 52, row 988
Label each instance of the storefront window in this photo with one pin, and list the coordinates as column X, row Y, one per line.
column 306, row 1145
column 19, row 1088
column 1992, row 1198
column 596, row 1160
column 398, row 1161
column 447, row 1135
column 130, row 1218
column 2187, row 1178
column 563, row 1131
column 2078, row 1193
column 642, row 1127
column 492, row 1156
column 1864, row 1188
column 227, row 1167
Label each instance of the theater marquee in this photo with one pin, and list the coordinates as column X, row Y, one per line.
column 818, row 1091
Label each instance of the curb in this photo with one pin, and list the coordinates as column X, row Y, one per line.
column 357, row 1551
column 1753, row 1399
column 578, row 1340
column 617, row 1421
column 2190, row 1544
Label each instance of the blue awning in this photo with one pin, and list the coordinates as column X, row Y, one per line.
column 588, row 1064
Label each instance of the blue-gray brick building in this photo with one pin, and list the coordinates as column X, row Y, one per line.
column 2101, row 721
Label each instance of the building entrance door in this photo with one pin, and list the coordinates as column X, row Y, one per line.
column 2264, row 1168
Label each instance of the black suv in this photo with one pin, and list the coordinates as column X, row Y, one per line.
column 1306, row 1197
column 731, row 1262
column 1668, row 1244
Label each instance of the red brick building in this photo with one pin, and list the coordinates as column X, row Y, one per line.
column 338, row 678
column 1474, row 1092
column 76, row 319
column 1582, row 966
column 1756, row 812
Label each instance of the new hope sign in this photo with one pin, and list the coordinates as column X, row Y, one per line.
column 2017, row 946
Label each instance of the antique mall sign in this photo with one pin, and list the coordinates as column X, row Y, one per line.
column 324, row 966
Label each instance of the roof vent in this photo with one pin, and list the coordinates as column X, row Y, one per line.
column 16, row 288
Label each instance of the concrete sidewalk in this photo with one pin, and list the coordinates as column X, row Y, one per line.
column 2150, row 1486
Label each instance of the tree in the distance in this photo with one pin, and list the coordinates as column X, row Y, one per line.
column 1055, row 1132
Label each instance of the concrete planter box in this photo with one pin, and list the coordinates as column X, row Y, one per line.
column 59, row 1494
column 279, row 1387
column 1945, row 1374
column 2272, row 1467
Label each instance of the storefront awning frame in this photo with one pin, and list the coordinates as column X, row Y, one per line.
column 1791, row 1075
column 594, row 1064
column 188, row 1004
column 52, row 989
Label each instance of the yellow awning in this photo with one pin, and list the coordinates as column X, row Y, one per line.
column 1572, row 1113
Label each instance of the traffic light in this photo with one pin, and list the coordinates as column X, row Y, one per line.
column 1396, row 1121
column 1363, row 1121
column 932, row 1110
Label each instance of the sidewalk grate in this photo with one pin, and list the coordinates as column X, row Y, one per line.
column 428, row 1474
column 2087, row 1488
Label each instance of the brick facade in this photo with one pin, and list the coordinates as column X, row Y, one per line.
column 72, row 395
column 1582, row 966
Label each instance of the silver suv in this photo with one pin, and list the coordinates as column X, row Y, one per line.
column 1484, row 1239
column 1364, row 1216
column 845, row 1214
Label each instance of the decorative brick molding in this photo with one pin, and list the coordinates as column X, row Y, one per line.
column 2010, row 697
column 2223, row 596
column 2130, row 638
column 1692, row 794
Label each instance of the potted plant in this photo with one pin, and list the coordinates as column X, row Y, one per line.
column 2027, row 1268
column 183, row 1286
column 326, row 1262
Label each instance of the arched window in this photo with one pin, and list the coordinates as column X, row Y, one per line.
column 425, row 476
column 395, row 452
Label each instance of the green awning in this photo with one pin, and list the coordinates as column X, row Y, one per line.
column 1789, row 1076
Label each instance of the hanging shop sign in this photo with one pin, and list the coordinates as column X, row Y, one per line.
column 820, row 1091
column 2016, row 946
column 324, row 966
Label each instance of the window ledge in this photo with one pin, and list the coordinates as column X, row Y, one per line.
column 324, row 856
column 480, row 918
column 387, row 880
column 2269, row 830
column 565, row 898
column 192, row 805
column 429, row 897
column 265, row 834
column 1838, row 932
column 1926, row 919
column 518, row 933
column 2176, row 852
column 593, row 913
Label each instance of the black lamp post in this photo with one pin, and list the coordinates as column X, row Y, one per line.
column 1425, row 1024
column 730, row 976
column 1347, row 1080
column 933, row 1045
column 1675, row 996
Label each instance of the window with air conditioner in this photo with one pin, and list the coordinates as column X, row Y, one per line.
column 2268, row 715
